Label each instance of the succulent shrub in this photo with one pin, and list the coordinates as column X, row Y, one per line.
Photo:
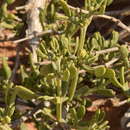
column 70, row 67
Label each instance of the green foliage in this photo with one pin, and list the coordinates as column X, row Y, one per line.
column 24, row 93
column 10, row 1
column 60, row 82
column 5, row 69
column 96, row 123
column 8, row 19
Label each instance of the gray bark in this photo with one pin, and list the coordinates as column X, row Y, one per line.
column 34, row 25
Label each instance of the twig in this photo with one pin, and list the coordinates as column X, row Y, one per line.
column 117, row 21
column 108, row 64
column 113, row 26
column 107, row 50
column 113, row 19
column 37, row 35
column 111, row 62
column 123, row 34
column 121, row 103
column 21, row 7
column 16, row 64
column 82, row 71
column 46, row 62
column 78, row 9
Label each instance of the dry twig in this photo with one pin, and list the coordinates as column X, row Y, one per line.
column 113, row 49
column 113, row 19
column 16, row 64
column 38, row 34
column 108, row 64
column 117, row 21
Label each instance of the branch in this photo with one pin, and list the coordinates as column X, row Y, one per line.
column 34, row 24
column 108, row 64
column 24, row 7
column 45, row 62
column 123, row 34
column 113, row 49
column 117, row 21
column 121, row 103
column 78, row 9
column 38, row 34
